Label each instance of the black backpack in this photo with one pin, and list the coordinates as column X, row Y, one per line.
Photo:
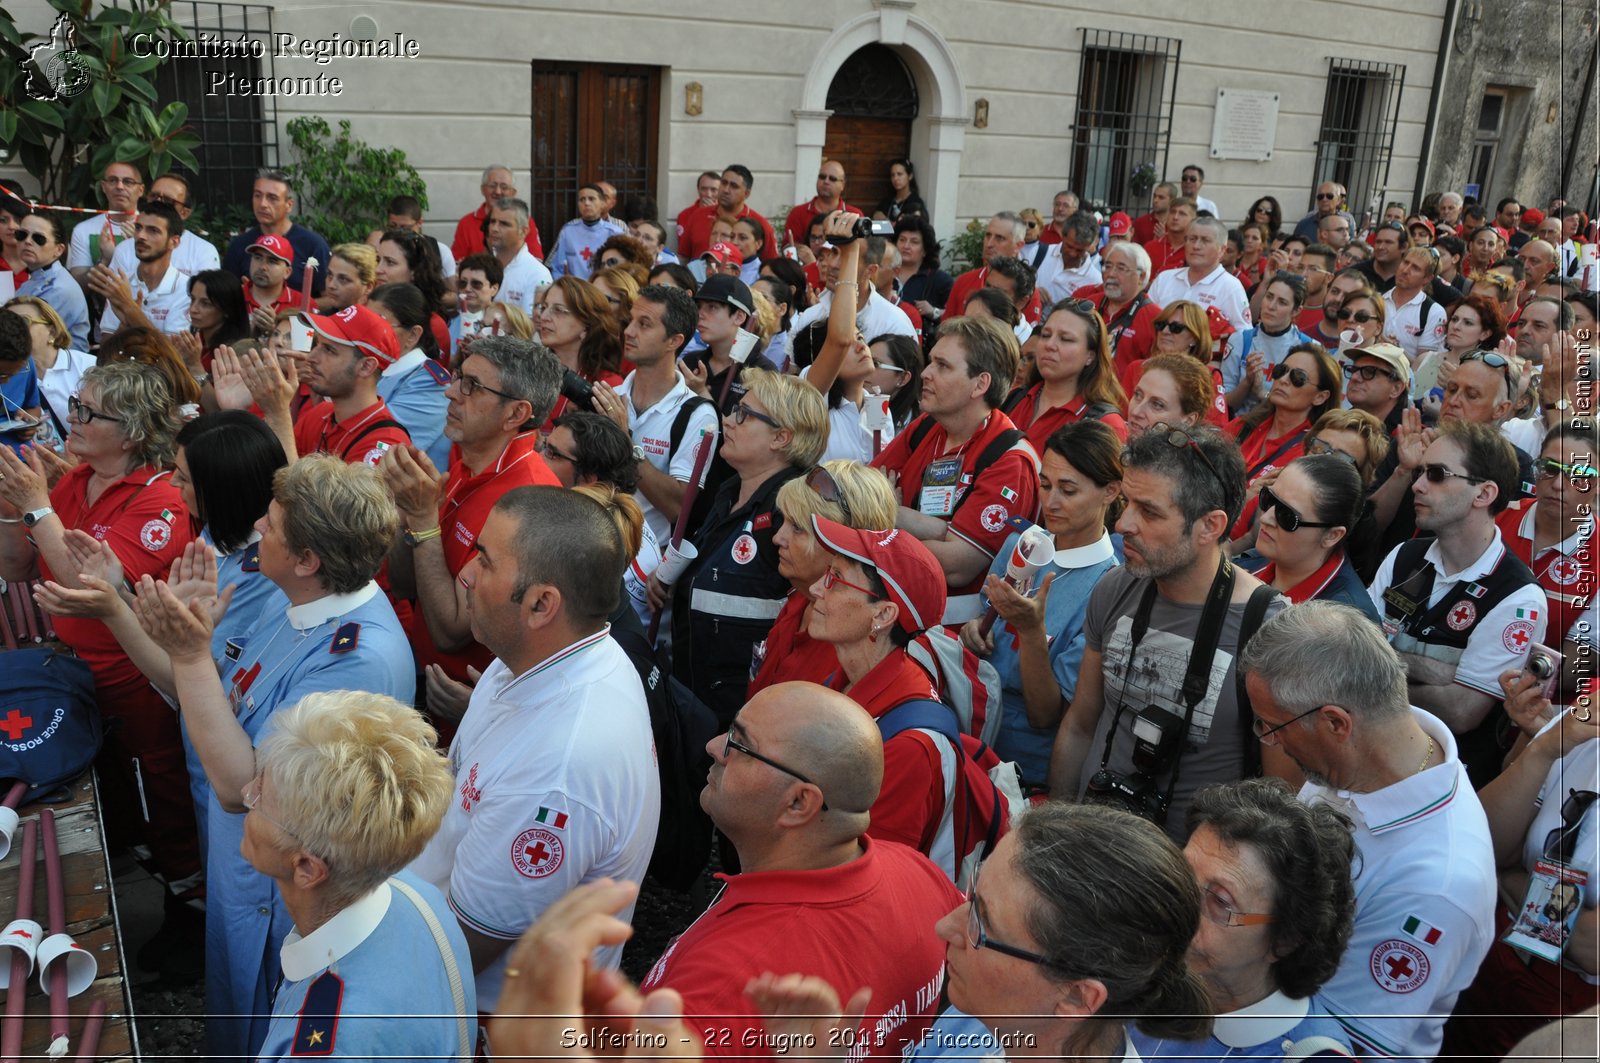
column 682, row 725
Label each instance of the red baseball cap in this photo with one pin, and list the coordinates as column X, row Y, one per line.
column 723, row 253
column 910, row 572
column 276, row 246
column 1532, row 216
column 1417, row 221
column 358, row 327
column 1120, row 224
column 1221, row 327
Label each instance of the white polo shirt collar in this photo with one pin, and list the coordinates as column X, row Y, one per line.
column 1479, row 568
column 307, row 616
column 337, row 938
column 405, row 363
column 1085, row 556
column 1411, row 800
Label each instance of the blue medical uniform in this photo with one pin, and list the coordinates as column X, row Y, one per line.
column 416, row 399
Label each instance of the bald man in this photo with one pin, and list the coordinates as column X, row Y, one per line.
column 791, row 784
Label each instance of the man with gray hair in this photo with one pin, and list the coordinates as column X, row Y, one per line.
column 1127, row 310
column 1330, row 693
column 1004, row 235
column 1203, row 280
column 507, row 236
column 497, row 182
column 1072, row 263
column 1450, row 204
column 272, row 201
column 1329, row 200
column 502, row 391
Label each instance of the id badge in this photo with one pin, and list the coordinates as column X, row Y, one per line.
column 1545, row 920
column 938, row 498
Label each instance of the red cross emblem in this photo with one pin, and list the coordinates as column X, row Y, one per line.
column 1462, row 616
column 587, row 253
column 155, row 534
column 1564, row 571
column 1399, row 967
column 536, row 853
column 15, row 724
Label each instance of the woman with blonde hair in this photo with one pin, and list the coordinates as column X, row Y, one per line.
column 1183, row 327
column 59, row 367
column 506, row 319
column 352, row 275
column 620, row 286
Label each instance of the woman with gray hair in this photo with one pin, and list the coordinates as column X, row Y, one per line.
column 347, row 792
column 123, row 428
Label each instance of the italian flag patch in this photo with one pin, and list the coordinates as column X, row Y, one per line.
column 550, row 817
column 1527, row 614
column 1008, row 494
column 1423, row 932
column 166, row 515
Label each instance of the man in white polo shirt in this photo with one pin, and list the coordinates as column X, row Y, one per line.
column 507, row 240
column 94, row 239
column 555, row 775
column 1072, row 263
column 156, row 289
column 1330, row 694
column 1203, row 280
column 1412, row 318
column 195, row 254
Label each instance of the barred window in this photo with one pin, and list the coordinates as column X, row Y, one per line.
column 1127, row 83
column 1356, row 143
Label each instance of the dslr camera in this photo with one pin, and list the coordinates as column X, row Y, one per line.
column 1157, row 743
column 577, row 390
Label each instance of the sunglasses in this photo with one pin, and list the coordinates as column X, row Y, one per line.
column 1361, row 317
column 1561, row 841
column 1550, row 468
column 822, row 482
column 1174, row 326
column 1183, row 441
column 1369, row 372
column 1297, row 377
column 742, row 413
column 1494, row 361
column 1319, row 447
column 1288, row 518
column 1438, row 474
column 1326, row 195
column 42, row 239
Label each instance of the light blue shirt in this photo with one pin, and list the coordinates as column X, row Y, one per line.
column 413, row 389
column 60, row 289
column 1274, row 1028
column 577, row 245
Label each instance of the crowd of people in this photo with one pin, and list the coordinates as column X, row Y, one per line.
column 1161, row 639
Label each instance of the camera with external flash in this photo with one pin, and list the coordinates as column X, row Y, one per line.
column 863, row 228
column 1134, row 792
column 1157, row 738
column 577, row 390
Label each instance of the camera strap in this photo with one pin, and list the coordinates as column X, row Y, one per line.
column 1197, row 676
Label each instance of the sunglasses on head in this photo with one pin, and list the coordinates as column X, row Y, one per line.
column 1297, row 377
column 1361, row 317
column 1493, row 360
column 1321, row 447
column 822, row 482
column 1287, row 517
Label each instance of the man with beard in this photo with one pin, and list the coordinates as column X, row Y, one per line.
column 1157, row 699
column 1345, row 283
column 348, row 352
column 1121, row 300
column 156, row 291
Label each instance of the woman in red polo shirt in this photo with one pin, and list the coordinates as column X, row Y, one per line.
column 1072, row 377
column 1305, row 385
column 1307, row 514
column 848, row 493
column 124, row 424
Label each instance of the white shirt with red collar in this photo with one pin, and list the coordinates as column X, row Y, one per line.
column 1219, row 288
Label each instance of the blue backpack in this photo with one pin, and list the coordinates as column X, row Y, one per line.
column 49, row 721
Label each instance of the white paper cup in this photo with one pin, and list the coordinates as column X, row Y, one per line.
column 674, row 561
column 81, row 964
column 8, row 827
column 1349, row 338
column 875, row 413
column 743, row 344
column 21, row 935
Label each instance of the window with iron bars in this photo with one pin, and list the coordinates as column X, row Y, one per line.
column 1127, row 83
column 238, row 133
column 1359, row 115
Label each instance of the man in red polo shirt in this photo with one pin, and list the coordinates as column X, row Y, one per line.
column 496, row 184
column 504, row 386
column 1064, row 206
column 266, row 290
column 694, row 224
column 1124, row 305
column 1003, row 236
column 349, row 351
column 829, row 198
column 963, row 470
column 1168, row 252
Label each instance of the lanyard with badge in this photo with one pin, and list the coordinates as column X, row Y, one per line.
column 1556, row 889
column 941, row 484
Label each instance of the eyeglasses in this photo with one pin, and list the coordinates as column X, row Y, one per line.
column 890, row 367
column 822, row 482
column 742, row 413
column 547, row 450
column 830, row 576
column 470, row 385
column 1361, row 317
column 1287, row 516
column 978, row 937
column 1438, row 474
column 1320, row 447
column 1561, row 841
column 122, row 182
column 42, row 239
column 730, row 743
column 1494, row 361
column 1327, row 195
column 1576, row 474
column 830, row 178
column 551, row 309
column 1173, row 326
column 1259, row 726
column 157, row 197
column 1369, row 372
column 250, row 797
column 1183, row 441
column 83, row 414
column 1222, row 913
column 1297, row 377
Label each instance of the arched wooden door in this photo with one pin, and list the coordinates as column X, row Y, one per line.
column 874, row 101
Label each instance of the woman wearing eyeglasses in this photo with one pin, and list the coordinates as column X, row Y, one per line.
column 847, row 493
column 899, row 364
column 1266, row 211
column 574, row 320
column 1277, row 909
column 1475, row 323
column 726, row 600
column 42, row 242
column 1184, row 328
column 1252, row 354
column 1306, row 516
column 1544, row 818
column 1072, row 377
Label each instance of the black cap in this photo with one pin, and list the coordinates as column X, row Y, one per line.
column 725, row 288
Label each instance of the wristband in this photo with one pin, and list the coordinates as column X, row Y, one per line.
column 415, row 539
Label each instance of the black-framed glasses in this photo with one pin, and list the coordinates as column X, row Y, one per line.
column 1361, row 317
column 1327, row 195
column 471, row 385
column 978, row 937
column 83, row 413
column 1319, row 447
column 1494, row 360
column 1184, row 441
column 548, row 450
column 822, row 482
column 1219, row 911
column 731, row 743
column 1561, row 841
column 1287, row 516
column 1297, row 377
column 1173, row 326
column 1369, row 372
column 1438, row 474
column 1259, row 726
column 1550, row 468
column 742, row 413
column 830, row 178
column 830, row 576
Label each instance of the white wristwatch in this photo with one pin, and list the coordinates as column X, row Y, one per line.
column 33, row 517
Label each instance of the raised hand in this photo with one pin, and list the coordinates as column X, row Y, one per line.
column 805, row 1010
column 696, row 377
column 1023, row 613
column 96, row 599
column 416, row 485
column 1411, row 441
column 191, row 350
column 228, row 382
column 93, row 557
column 271, row 385
column 609, row 404
column 55, row 465
column 183, row 631
column 23, row 482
